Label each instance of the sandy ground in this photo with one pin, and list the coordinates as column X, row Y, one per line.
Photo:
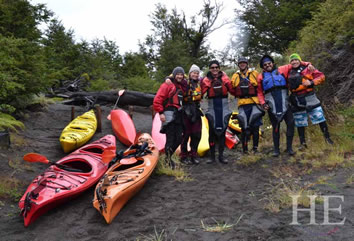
column 218, row 193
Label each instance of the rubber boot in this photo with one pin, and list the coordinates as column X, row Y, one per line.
column 324, row 129
column 221, row 151
column 289, row 145
column 185, row 161
column 301, row 132
column 169, row 160
column 222, row 159
column 244, row 142
column 194, row 160
column 276, row 138
column 255, row 138
column 212, row 154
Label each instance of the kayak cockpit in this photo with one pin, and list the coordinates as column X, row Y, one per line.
column 78, row 164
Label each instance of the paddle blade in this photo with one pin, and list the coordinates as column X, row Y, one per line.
column 120, row 92
column 127, row 161
column 108, row 155
column 34, row 157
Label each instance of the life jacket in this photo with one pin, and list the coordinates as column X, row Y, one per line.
column 273, row 80
column 175, row 99
column 245, row 89
column 217, row 88
column 194, row 92
column 295, row 78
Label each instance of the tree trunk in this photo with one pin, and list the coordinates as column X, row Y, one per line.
column 109, row 97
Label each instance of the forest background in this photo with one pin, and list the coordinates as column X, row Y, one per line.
column 33, row 61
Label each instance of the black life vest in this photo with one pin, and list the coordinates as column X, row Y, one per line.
column 295, row 77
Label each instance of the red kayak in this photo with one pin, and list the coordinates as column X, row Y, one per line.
column 159, row 138
column 123, row 127
column 65, row 179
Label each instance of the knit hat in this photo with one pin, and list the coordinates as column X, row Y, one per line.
column 194, row 68
column 294, row 56
column 242, row 60
column 177, row 70
column 264, row 59
column 214, row 62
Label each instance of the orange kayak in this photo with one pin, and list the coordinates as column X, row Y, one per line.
column 125, row 178
column 123, row 127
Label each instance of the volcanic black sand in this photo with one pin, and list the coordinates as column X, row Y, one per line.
column 174, row 210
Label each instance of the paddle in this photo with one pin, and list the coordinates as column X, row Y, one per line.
column 120, row 93
column 35, row 157
column 129, row 157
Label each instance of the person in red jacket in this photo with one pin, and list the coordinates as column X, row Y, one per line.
column 304, row 101
column 168, row 103
column 217, row 85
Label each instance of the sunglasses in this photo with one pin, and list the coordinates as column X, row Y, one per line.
column 266, row 64
column 214, row 67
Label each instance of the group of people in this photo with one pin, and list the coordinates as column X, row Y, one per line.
column 178, row 103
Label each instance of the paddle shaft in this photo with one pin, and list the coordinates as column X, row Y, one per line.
column 119, row 95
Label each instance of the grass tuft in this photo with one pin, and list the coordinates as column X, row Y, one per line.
column 179, row 172
column 219, row 227
column 10, row 187
column 280, row 196
column 156, row 236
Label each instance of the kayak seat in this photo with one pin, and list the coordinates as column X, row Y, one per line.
column 124, row 167
column 79, row 164
column 93, row 150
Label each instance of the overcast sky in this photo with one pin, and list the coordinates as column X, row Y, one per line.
column 125, row 22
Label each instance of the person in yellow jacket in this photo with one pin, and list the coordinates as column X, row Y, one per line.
column 244, row 83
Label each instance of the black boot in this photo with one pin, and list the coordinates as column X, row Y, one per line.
column 289, row 145
column 222, row 159
column 324, row 129
column 169, row 160
column 255, row 133
column 185, row 161
column 212, row 155
column 244, row 142
column 301, row 132
column 221, row 151
column 276, row 138
column 194, row 160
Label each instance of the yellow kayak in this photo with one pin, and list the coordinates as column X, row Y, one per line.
column 203, row 146
column 233, row 124
column 79, row 131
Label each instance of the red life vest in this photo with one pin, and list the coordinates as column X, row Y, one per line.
column 217, row 89
column 175, row 99
column 245, row 89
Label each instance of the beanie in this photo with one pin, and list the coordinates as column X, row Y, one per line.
column 177, row 70
column 294, row 56
column 214, row 62
column 194, row 68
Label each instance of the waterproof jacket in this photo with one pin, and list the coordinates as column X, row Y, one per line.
column 297, row 76
column 251, row 78
column 166, row 95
